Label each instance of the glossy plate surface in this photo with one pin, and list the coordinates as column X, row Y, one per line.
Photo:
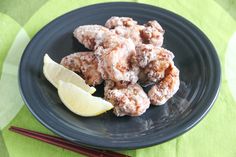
column 194, row 56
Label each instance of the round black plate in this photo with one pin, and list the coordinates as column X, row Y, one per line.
column 194, row 56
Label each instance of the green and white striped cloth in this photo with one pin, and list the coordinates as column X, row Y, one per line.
column 214, row 136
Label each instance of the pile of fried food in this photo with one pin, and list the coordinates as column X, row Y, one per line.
column 123, row 54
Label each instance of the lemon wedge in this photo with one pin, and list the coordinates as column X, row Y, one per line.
column 55, row 72
column 81, row 102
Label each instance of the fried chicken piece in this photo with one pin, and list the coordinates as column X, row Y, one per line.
column 85, row 63
column 125, row 27
column 113, row 52
column 145, row 53
column 129, row 100
column 149, row 33
column 157, row 66
column 109, row 85
column 166, row 88
column 129, row 32
column 114, row 56
column 154, row 63
column 153, row 33
column 115, row 21
column 91, row 36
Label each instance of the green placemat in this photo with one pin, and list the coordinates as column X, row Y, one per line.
column 214, row 136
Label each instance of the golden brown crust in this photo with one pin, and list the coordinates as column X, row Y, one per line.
column 166, row 88
column 130, row 100
column 85, row 63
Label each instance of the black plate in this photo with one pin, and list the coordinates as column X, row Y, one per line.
column 194, row 56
